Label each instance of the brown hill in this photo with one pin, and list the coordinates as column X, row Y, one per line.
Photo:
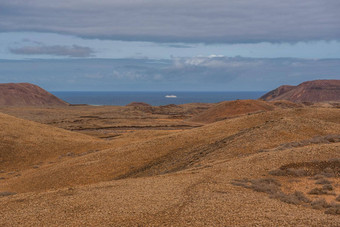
column 228, row 109
column 139, row 104
column 171, row 153
column 309, row 91
column 197, row 177
column 25, row 94
column 24, row 144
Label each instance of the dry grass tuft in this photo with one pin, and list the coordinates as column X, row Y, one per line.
column 323, row 181
column 333, row 209
column 318, row 191
column 289, row 172
column 317, row 169
column 319, row 204
column 272, row 187
column 296, row 198
column 328, row 187
column 3, row 194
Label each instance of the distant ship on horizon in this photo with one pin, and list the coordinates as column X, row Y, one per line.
column 170, row 96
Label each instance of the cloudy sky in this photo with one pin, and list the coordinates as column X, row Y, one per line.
column 196, row 45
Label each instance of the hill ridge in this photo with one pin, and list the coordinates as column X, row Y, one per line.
column 27, row 94
column 308, row 91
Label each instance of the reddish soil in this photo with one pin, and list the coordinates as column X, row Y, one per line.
column 25, row 94
column 309, row 91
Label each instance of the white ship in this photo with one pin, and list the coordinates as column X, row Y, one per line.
column 170, row 96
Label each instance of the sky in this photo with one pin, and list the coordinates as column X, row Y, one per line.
column 158, row 45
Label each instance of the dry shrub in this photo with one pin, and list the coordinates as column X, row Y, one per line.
column 319, row 204
column 277, row 172
column 328, row 172
column 267, row 185
column 296, row 198
column 318, row 177
column 334, row 209
column 318, row 191
column 272, row 187
column 338, row 198
column 319, row 169
column 323, row 181
column 328, row 187
column 289, row 172
column 301, row 197
column 3, row 194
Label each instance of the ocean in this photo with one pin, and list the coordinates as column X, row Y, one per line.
column 153, row 98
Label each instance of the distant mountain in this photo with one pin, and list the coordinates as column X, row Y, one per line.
column 309, row 91
column 25, row 94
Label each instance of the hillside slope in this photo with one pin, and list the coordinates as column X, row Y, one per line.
column 229, row 109
column 309, row 91
column 179, row 151
column 25, row 94
column 24, row 144
column 188, row 178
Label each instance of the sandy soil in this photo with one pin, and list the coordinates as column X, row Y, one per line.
column 171, row 172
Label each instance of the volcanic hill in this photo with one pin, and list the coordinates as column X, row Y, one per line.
column 309, row 91
column 26, row 94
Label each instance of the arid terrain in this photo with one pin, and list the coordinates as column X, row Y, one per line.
column 308, row 91
column 236, row 163
column 26, row 94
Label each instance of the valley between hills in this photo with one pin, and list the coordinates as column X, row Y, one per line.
column 233, row 163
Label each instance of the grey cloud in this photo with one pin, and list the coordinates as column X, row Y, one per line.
column 56, row 50
column 231, row 21
column 186, row 74
column 177, row 45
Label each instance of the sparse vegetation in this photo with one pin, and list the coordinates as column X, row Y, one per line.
column 296, row 198
column 317, row 169
column 289, row 172
column 338, row 198
column 322, row 181
column 319, row 204
column 328, row 187
column 272, row 188
column 3, row 194
column 318, row 191
column 190, row 161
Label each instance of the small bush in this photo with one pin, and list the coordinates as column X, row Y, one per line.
column 289, row 172
column 317, row 191
column 267, row 185
column 318, row 177
column 3, row 194
column 319, row 204
column 296, row 198
column 277, row 172
column 334, row 209
column 301, row 196
column 323, row 181
column 328, row 187
column 338, row 198
column 297, row 172
column 328, row 172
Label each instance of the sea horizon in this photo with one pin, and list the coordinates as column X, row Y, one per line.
column 155, row 98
